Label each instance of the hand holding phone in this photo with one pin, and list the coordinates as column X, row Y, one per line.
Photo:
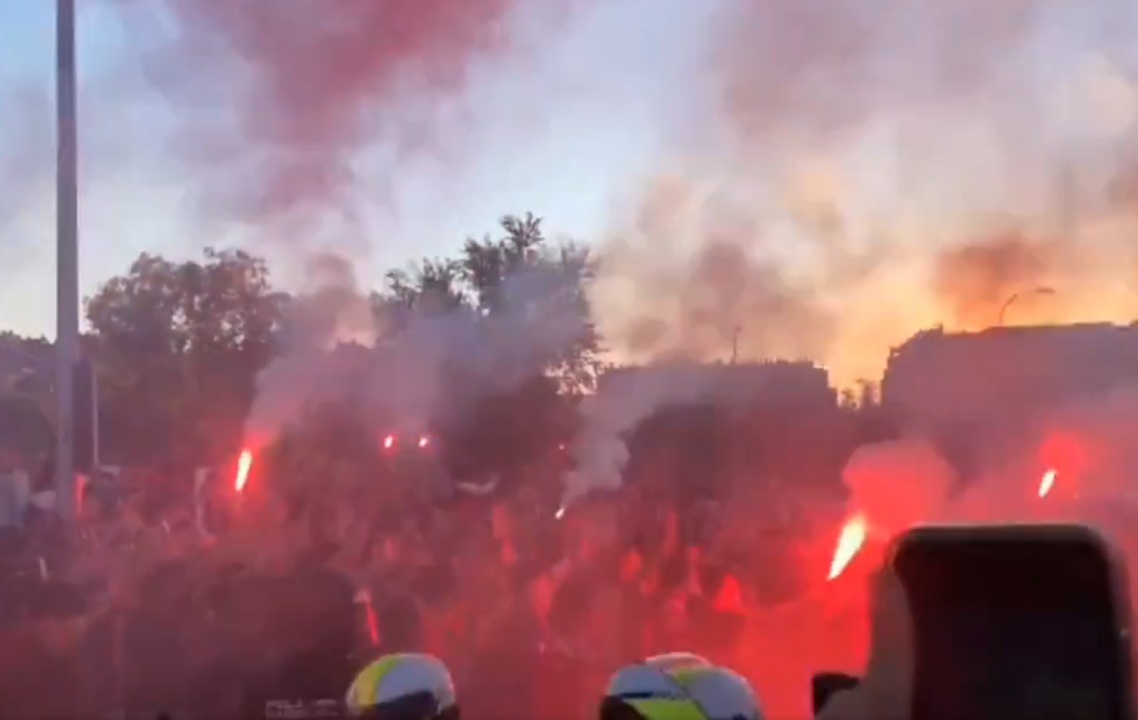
column 885, row 690
column 826, row 685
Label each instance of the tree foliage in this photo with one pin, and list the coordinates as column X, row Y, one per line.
column 179, row 345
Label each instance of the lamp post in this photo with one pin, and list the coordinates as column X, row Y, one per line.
column 1042, row 290
column 67, row 255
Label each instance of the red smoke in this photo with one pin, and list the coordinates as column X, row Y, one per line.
column 311, row 84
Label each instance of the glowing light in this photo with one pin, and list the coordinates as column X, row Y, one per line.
column 560, row 513
column 850, row 542
column 389, row 442
column 363, row 597
column 244, row 465
column 1047, row 483
column 424, row 441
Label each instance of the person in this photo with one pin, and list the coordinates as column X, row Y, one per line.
column 885, row 690
column 679, row 686
column 403, row 686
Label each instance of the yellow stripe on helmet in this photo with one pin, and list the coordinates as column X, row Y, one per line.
column 686, row 675
column 666, row 709
column 365, row 689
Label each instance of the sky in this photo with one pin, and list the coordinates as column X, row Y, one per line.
column 813, row 179
column 565, row 161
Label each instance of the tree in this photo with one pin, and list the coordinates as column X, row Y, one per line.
column 542, row 288
column 178, row 347
column 24, row 427
column 27, row 365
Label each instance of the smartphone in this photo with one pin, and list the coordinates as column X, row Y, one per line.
column 1018, row 621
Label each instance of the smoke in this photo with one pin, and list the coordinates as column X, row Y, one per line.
column 1086, row 442
column 899, row 483
column 25, row 168
column 1091, row 444
column 861, row 171
column 421, row 363
column 624, row 400
column 663, row 300
column 324, row 321
column 279, row 103
column 979, row 281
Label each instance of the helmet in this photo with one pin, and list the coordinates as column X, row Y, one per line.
column 403, row 686
column 674, row 660
column 679, row 686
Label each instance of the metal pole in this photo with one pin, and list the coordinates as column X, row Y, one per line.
column 67, row 255
column 95, row 461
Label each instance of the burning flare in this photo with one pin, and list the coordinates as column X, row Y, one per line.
column 389, row 442
column 1047, row 483
column 849, row 544
column 244, row 465
column 363, row 598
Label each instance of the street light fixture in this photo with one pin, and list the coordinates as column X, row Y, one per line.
column 1034, row 292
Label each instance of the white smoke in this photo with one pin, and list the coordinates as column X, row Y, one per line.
column 847, row 144
column 331, row 310
column 402, row 363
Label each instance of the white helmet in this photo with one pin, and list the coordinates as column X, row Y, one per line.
column 672, row 660
column 420, row 683
column 679, row 686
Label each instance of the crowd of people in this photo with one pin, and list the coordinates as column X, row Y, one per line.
column 161, row 600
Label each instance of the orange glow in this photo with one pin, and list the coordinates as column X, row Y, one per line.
column 389, row 442
column 244, row 465
column 850, row 542
column 1047, row 483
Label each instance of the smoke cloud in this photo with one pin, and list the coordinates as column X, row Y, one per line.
column 330, row 311
column 1085, row 443
column 280, row 102
column 899, row 483
column 865, row 170
column 415, row 364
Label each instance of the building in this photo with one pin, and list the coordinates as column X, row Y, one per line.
column 960, row 387
column 718, row 425
column 771, row 384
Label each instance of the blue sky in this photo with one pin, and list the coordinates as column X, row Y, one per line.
column 595, row 100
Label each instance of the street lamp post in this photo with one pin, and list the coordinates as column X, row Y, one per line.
column 1043, row 290
column 67, row 255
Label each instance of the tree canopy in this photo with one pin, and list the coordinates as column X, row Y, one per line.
column 179, row 345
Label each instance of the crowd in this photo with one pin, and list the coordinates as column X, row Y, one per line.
column 217, row 602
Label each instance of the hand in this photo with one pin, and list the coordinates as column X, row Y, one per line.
column 886, row 690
